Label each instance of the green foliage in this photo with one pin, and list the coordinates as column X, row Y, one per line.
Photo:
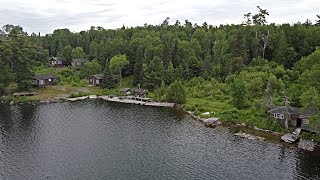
column 117, row 63
column 90, row 68
column 239, row 93
column 154, row 73
column 138, row 67
column 77, row 53
column 67, row 53
column 310, row 99
column 176, row 93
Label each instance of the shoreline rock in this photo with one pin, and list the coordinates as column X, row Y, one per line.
column 307, row 145
column 249, row 136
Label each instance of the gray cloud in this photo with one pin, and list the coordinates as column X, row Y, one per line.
column 79, row 15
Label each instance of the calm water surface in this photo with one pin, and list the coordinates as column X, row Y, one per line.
column 100, row 140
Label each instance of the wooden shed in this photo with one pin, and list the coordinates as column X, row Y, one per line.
column 96, row 79
column 298, row 118
column 41, row 80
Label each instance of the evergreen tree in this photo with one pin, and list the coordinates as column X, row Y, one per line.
column 166, row 55
column 153, row 73
column 108, row 80
column 175, row 54
column 138, row 67
column 318, row 20
column 239, row 93
column 176, row 93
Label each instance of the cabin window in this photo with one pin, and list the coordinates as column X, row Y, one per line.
column 278, row 116
column 53, row 62
column 305, row 121
column 78, row 63
column 59, row 62
column 41, row 82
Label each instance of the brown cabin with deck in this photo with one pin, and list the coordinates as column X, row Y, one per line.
column 298, row 118
column 42, row 80
column 96, row 80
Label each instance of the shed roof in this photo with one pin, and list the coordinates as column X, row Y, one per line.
column 44, row 76
column 136, row 90
column 98, row 76
column 80, row 60
column 125, row 89
column 58, row 58
column 292, row 110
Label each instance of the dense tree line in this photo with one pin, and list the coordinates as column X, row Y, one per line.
column 254, row 60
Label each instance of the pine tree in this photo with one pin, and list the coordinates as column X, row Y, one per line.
column 207, row 64
column 175, row 54
column 239, row 93
column 166, row 56
column 154, row 73
column 108, row 80
column 138, row 67
column 176, row 93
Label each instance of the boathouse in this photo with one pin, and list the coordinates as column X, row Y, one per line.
column 298, row 118
column 41, row 80
column 96, row 80
column 78, row 63
column 57, row 62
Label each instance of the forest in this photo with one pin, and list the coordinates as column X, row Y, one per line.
column 235, row 71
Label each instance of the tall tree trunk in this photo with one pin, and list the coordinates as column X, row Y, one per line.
column 265, row 43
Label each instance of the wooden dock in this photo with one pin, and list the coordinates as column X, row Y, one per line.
column 136, row 100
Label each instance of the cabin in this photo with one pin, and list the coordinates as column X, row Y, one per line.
column 125, row 91
column 78, row 63
column 298, row 118
column 57, row 62
column 42, row 80
column 139, row 92
column 96, row 79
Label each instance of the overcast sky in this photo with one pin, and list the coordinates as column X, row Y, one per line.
column 47, row 15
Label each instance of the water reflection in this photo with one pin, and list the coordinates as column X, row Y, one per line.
column 99, row 140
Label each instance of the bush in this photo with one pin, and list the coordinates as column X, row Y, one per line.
column 176, row 93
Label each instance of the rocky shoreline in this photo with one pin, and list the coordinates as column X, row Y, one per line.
column 302, row 144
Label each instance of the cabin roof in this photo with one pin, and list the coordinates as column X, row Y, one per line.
column 58, row 58
column 80, row 60
column 136, row 90
column 44, row 76
column 98, row 76
column 292, row 110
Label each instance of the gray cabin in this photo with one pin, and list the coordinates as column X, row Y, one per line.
column 96, row 79
column 78, row 63
column 42, row 80
column 57, row 62
column 298, row 118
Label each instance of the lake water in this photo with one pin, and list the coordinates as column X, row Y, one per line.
column 100, row 140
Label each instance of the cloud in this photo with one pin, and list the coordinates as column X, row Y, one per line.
column 76, row 15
